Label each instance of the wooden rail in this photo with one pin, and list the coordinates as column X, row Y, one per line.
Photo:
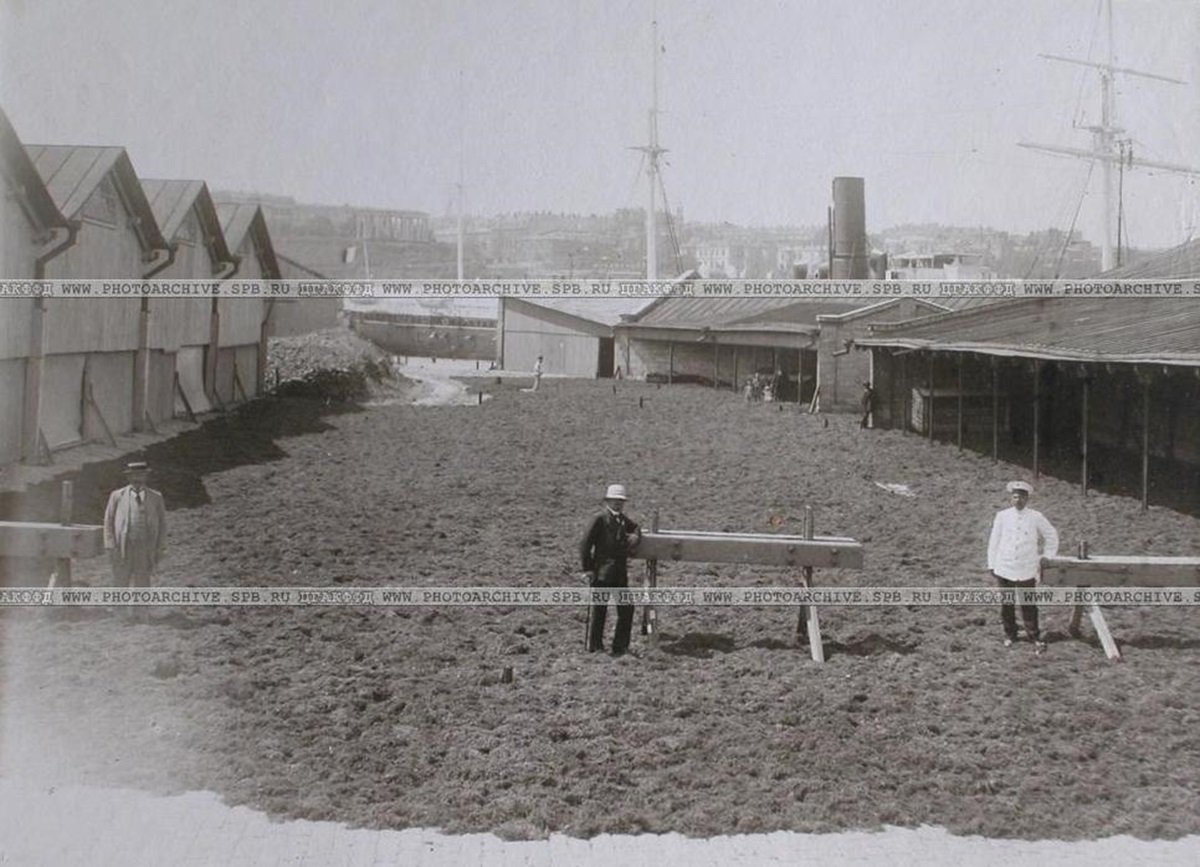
column 804, row 552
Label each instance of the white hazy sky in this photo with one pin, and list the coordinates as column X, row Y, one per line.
column 763, row 102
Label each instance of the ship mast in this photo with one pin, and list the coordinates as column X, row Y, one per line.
column 652, row 152
column 1107, row 146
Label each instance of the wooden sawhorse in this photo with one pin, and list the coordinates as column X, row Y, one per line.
column 806, row 552
column 1115, row 571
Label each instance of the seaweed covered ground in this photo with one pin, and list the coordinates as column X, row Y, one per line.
column 401, row 718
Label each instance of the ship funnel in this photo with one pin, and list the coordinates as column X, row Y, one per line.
column 850, row 252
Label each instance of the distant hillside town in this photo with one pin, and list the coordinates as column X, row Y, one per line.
column 349, row 241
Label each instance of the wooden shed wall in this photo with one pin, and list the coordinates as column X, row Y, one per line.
column 17, row 248
column 16, row 315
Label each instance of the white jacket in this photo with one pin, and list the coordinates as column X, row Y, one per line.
column 1013, row 546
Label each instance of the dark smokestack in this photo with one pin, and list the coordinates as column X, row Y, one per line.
column 850, row 254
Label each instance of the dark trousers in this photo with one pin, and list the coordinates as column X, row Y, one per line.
column 612, row 575
column 1029, row 613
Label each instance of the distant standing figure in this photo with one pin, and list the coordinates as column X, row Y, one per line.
column 868, row 406
column 605, row 555
column 537, row 373
column 1014, row 560
column 135, row 529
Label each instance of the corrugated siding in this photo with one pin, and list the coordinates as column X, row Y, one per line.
column 62, row 399
column 94, row 325
column 176, row 322
column 100, row 251
column 189, row 364
column 12, row 398
column 111, row 375
column 16, row 314
column 564, row 354
column 160, row 386
column 241, row 320
column 16, row 240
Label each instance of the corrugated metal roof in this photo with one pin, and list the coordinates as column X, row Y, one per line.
column 172, row 200
column 451, row 308
column 21, row 169
column 1178, row 263
column 605, row 311
column 72, row 173
column 725, row 312
column 236, row 218
column 1152, row 330
column 239, row 219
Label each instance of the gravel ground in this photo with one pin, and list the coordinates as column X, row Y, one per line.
column 399, row 718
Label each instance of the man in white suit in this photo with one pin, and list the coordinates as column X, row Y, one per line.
column 1015, row 561
column 135, row 529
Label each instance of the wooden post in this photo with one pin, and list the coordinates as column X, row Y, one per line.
column 187, row 404
column 716, row 363
column 1037, row 401
column 1083, row 439
column 237, row 381
column 32, row 404
column 995, row 409
column 61, row 576
column 141, row 368
column 735, row 369
column 1077, row 611
column 905, row 395
column 89, row 400
column 1145, row 441
column 649, row 616
column 929, row 405
column 810, row 623
column 891, row 367
column 670, row 363
column 214, row 349
column 960, row 401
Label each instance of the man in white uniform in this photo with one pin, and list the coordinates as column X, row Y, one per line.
column 1014, row 559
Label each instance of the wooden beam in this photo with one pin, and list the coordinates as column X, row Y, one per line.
column 141, row 367
column 995, row 410
column 960, row 401
column 929, row 405
column 29, row 539
column 759, row 548
column 89, row 397
column 1145, row 443
column 1083, row 440
column 187, row 404
column 1118, row 571
column 32, row 403
column 1037, row 418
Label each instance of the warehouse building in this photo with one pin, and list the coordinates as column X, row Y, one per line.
column 238, row 368
column 180, row 330
column 85, row 353
column 34, row 231
column 574, row 337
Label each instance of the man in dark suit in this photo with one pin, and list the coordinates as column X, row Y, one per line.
column 605, row 554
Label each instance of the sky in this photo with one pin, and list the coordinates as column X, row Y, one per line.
column 538, row 103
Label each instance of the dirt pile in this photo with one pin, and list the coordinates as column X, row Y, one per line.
column 333, row 364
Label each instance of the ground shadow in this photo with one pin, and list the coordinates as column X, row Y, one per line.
column 869, row 645
column 701, row 645
column 248, row 434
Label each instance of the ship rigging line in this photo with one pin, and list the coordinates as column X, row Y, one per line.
column 1071, row 231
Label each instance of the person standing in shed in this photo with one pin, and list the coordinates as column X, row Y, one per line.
column 135, row 529
column 605, row 550
column 537, row 374
column 1014, row 560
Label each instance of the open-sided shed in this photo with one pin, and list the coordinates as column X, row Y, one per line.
column 1106, row 390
